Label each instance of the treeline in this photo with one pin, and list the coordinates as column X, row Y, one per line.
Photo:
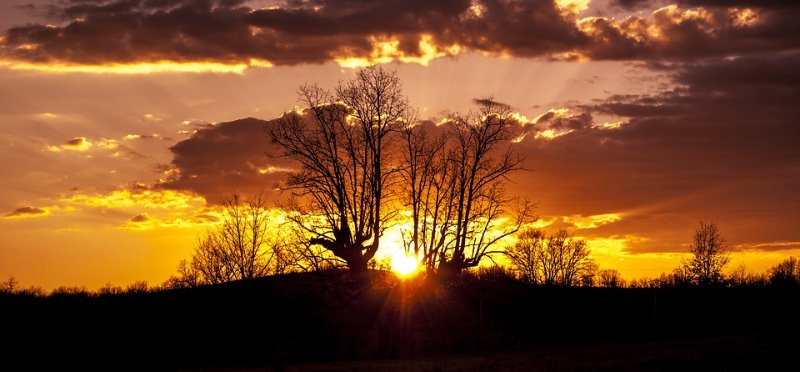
column 561, row 259
column 785, row 274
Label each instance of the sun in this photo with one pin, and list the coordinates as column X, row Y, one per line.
column 404, row 265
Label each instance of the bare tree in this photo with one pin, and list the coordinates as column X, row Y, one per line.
column 740, row 276
column 242, row 246
column 526, row 253
column 709, row 255
column 564, row 259
column 428, row 193
column 455, row 187
column 340, row 142
column 785, row 273
column 557, row 259
column 611, row 278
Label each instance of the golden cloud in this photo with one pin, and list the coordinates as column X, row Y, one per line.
column 137, row 67
column 593, row 221
column 153, row 199
column 385, row 50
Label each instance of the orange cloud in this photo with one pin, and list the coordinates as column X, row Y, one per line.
column 591, row 222
column 152, row 199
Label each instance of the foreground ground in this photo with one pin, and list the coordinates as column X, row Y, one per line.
column 332, row 321
column 711, row 354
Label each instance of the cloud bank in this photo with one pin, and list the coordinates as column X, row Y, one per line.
column 229, row 36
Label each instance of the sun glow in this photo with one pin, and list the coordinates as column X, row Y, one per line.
column 404, row 265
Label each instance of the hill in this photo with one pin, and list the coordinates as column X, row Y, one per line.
column 330, row 316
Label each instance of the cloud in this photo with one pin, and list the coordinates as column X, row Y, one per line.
column 140, row 36
column 218, row 159
column 116, row 149
column 138, row 196
column 153, row 136
column 721, row 144
column 143, row 217
column 677, row 33
column 75, row 144
column 140, row 222
column 24, row 212
column 768, row 246
column 591, row 222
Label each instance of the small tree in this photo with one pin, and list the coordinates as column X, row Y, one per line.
column 9, row 286
column 564, row 259
column 240, row 247
column 709, row 255
column 611, row 278
column 558, row 259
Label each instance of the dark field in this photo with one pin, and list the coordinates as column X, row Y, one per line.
column 330, row 321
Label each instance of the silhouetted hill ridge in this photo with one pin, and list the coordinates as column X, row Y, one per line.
column 331, row 315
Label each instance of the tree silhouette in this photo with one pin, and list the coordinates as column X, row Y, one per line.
column 526, row 253
column 455, row 187
column 340, row 142
column 557, row 259
column 785, row 273
column 240, row 247
column 11, row 285
column 611, row 278
column 564, row 259
column 709, row 255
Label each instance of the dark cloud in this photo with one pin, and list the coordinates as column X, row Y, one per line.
column 739, row 3
column 722, row 145
column 139, row 218
column 225, row 157
column 691, row 33
column 551, row 120
column 128, row 31
column 632, row 4
column 297, row 32
column 75, row 142
column 26, row 212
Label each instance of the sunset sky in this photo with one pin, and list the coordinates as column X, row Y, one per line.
column 121, row 120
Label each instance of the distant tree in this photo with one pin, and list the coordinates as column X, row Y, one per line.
column 526, row 253
column 588, row 276
column 611, row 278
column 70, row 291
column 564, row 259
column 557, row 259
column 109, row 290
column 11, row 285
column 455, row 187
column 740, row 277
column 340, row 140
column 244, row 245
column 709, row 255
column 137, row 287
column 785, row 273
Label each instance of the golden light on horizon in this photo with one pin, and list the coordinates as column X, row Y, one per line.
column 138, row 67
